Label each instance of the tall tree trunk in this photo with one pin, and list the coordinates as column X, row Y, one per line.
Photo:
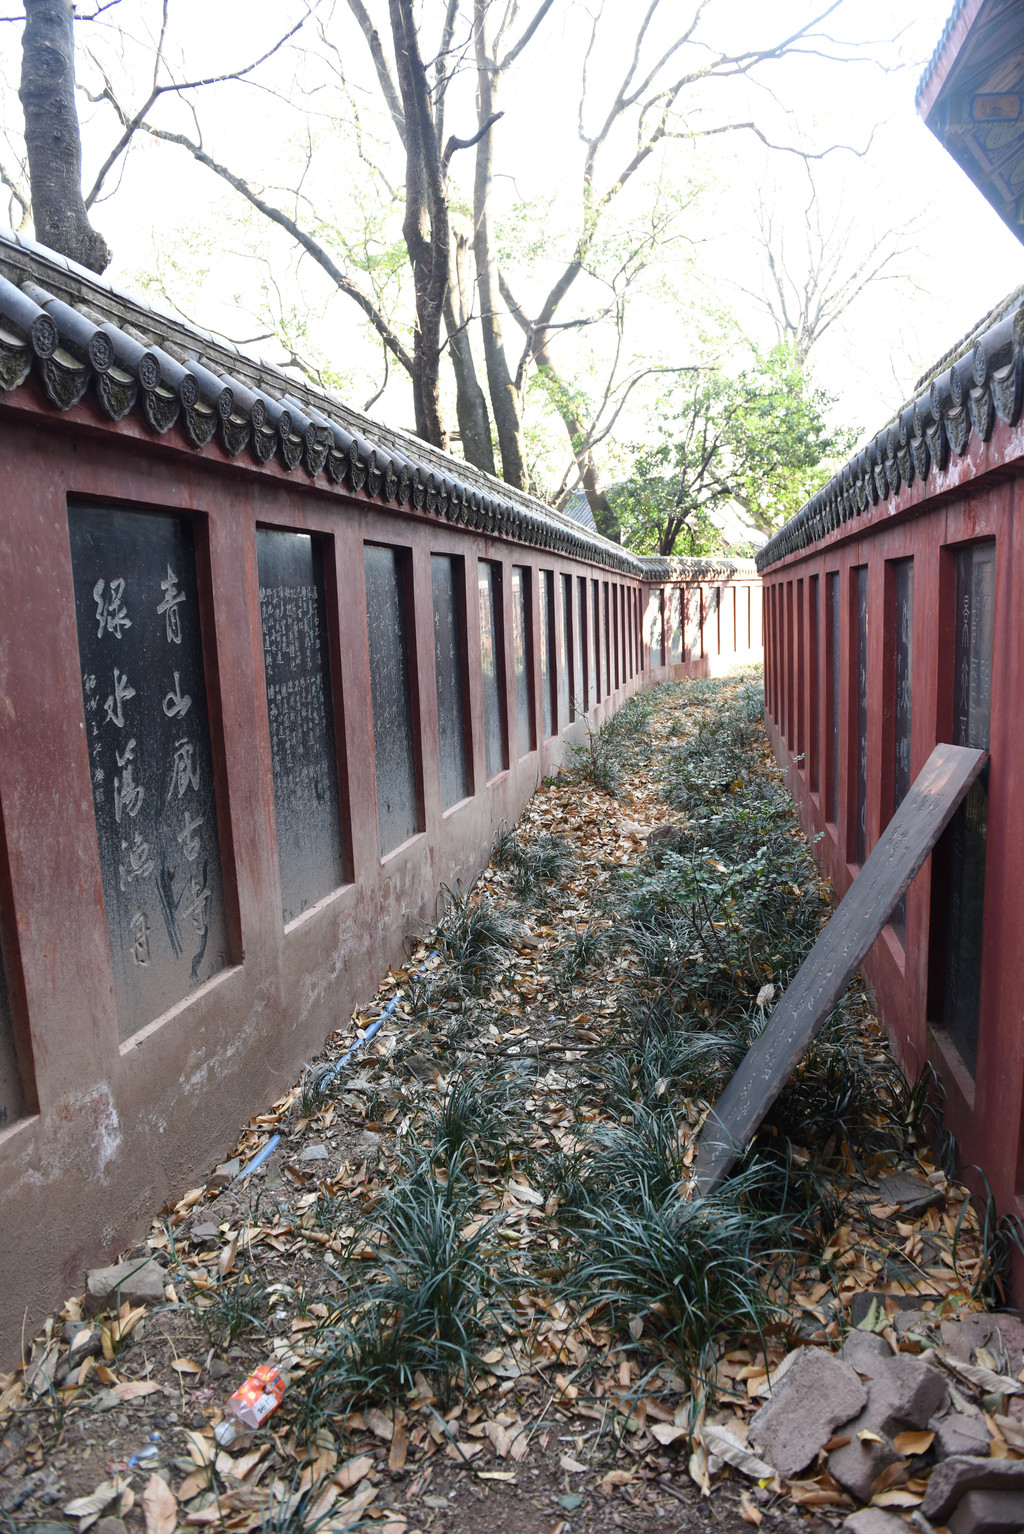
column 52, row 136
column 563, row 399
column 426, row 226
column 470, row 403
column 505, row 400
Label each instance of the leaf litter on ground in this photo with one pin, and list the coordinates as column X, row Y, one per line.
column 475, row 1250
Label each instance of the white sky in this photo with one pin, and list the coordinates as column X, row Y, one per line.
column 167, row 214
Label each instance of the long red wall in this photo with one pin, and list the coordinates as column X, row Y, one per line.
column 113, row 1124
column 978, row 497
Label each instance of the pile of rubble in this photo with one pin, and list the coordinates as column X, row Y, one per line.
column 932, row 1406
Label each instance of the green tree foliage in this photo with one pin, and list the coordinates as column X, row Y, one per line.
column 754, row 443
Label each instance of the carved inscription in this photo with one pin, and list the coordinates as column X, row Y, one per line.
column 398, row 811
column 492, row 663
column 522, row 649
column 148, row 734
column 448, row 669
column 300, row 711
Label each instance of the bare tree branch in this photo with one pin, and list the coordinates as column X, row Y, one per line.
column 342, row 282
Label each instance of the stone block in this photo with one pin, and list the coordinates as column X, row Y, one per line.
column 902, row 1392
column 817, row 1395
column 137, row 1282
column 953, row 1478
column 959, row 1433
column 858, row 1463
column 1000, row 1333
column 912, row 1194
column 988, row 1512
column 874, row 1520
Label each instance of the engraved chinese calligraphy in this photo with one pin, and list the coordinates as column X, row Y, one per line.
column 548, row 669
column 522, row 650
column 398, row 811
column 293, row 615
column 492, row 663
column 972, row 700
column 148, row 736
column 446, row 580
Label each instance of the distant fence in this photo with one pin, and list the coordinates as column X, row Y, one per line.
column 265, row 683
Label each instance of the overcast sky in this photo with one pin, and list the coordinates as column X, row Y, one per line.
column 166, row 213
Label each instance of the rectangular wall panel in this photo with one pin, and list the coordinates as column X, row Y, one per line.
column 568, row 657
column 296, row 665
column 814, row 662
column 972, row 704
column 147, row 728
column 398, row 807
column 859, row 689
column 492, row 665
column 654, row 628
column 522, row 650
column 447, row 584
column 902, row 705
column 832, row 631
column 595, row 633
column 548, row 665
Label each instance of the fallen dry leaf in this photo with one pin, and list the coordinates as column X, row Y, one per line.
column 88, row 1509
column 608, row 1483
column 133, row 1390
column 749, row 1510
column 186, row 1366
column 499, row 1437
column 399, row 1449
column 352, row 1472
column 572, row 1465
column 913, row 1443
column 159, row 1507
column 379, row 1424
column 718, row 1440
column 667, row 1433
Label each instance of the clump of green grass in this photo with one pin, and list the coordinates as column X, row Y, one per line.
column 434, row 1297
column 683, row 1272
column 474, row 936
column 471, row 1119
column 233, row 1307
column 576, row 956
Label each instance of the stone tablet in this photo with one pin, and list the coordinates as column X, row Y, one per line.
column 144, row 689
column 398, row 806
column 492, row 665
column 446, row 580
column 300, row 710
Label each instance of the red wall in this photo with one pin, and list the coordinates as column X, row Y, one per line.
column 113, row 1128
column 978, row 497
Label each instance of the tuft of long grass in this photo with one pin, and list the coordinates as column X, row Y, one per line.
column 686, row 1271
column 471, row 1119
column 474, row 936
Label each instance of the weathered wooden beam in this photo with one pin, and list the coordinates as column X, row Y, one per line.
column 822, row 977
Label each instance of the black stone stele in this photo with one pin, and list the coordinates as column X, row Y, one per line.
column 293, row 613
column 147, row 731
